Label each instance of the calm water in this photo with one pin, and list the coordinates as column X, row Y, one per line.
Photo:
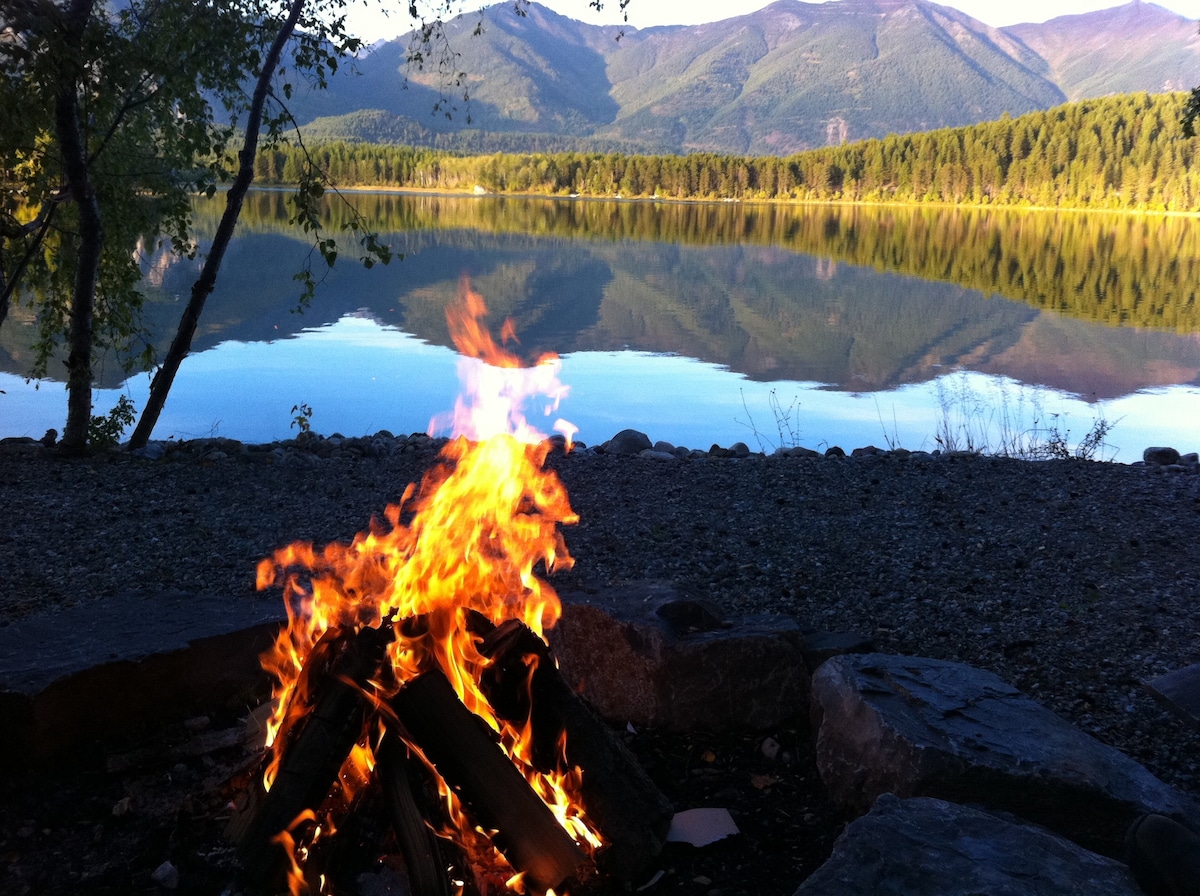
column 694, row 323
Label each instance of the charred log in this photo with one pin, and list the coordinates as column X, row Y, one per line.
column 621, row 801
column 420, row 847
column 314, row 748
column 462, row 749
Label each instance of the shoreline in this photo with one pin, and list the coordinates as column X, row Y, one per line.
column 725, row 200
column 628, row 443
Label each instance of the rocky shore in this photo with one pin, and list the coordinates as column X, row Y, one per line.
column 1074, row 581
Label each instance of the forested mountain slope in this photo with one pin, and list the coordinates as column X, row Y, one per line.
column 788, row 77
column 1120, row 152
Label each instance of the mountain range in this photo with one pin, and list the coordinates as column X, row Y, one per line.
column 789, row 77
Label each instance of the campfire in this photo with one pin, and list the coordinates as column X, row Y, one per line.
column 414, row 685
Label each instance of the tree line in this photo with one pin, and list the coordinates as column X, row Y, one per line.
column 1124, row 152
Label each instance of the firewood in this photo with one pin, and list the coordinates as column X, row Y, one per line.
column 621, row 801
column 314, row 749
column 462, row 749
column 420, row 846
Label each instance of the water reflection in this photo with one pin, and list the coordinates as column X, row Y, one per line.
column 674, row 311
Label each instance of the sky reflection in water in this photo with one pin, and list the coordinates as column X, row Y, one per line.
column 359, row 378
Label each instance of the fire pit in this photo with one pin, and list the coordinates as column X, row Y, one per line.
column 413, row 662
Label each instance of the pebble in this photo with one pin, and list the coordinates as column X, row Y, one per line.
column 166, row 876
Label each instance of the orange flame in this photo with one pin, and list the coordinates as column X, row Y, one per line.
column 469, row 539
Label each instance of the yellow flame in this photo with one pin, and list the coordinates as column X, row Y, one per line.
column 470, row 538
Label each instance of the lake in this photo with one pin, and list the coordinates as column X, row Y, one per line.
column 697, row 323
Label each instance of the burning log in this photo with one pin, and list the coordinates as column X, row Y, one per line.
column 523, row 683
column 460, row 746
column 317, row 745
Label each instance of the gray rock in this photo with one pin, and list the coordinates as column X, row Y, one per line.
column 820, row 646
column 657, row 455
column 152, row 450
column 834, row 451
column 383, row 882
column 921, row 727
column 739, row 449
column 664, row 447
column 927, row 846
column 646, row 655
column 1160, row 456
column 21, row 445
column 78, row 674
column 1179, row 690
column 166, row 876
column 628, row 441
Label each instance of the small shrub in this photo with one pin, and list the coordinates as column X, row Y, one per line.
column 786, row 419
column 105, row 431
column 302, row 417
column 1054, row 442
column 968, row 421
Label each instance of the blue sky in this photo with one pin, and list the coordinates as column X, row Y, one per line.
column 373, row 25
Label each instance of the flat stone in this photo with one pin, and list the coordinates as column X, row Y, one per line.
column 820, row 646
column 646, row 655
column 928, row 846
column 92, row 670
column 921, row 727
column 652, row 454
column 1180, row 690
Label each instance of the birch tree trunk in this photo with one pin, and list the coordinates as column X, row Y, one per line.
column 203, row 287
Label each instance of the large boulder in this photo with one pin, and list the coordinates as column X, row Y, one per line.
column 84, row 673
column 1161, row 456
column 922, row 727
column 646, row 655
column 917, row 846
column 628, row 441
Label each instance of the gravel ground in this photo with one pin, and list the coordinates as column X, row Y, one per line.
column 1072, row 580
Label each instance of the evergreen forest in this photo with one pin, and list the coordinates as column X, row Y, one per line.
column 1123, row 152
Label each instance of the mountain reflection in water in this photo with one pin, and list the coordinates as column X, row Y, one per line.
column 682, row 319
